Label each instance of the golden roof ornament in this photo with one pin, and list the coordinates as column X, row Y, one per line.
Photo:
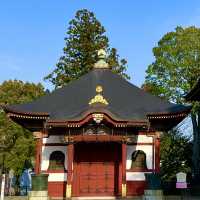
column 99, row 89
column 99, row 97
column 101, row 63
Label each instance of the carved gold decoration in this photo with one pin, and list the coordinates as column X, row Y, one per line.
column 68, row 139
column 37, row 134
column 131, row 139
column 157, row 135
column 97, row 117
column 69, row 191
column 99, row 97
column 123, row 190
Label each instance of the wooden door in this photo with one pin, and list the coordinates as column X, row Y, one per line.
column 96, row 170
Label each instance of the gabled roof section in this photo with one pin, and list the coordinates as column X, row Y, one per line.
column 194, row 94
column 109, row 92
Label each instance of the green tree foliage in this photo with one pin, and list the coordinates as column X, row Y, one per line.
column 175, row 71
column 18, row 142
column 85, row 36
column 176, row 149
column 177, row 64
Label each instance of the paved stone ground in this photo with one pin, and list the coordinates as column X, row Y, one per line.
column 137, row 198
column 16, row 198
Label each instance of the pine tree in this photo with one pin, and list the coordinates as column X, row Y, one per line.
column 85, row 36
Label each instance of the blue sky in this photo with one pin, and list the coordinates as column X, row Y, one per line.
column 32, row 32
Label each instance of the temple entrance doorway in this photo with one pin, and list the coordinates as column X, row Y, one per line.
column 97, row 169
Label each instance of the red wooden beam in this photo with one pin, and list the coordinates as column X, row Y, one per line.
column 97, row 138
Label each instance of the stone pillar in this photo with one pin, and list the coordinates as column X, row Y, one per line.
column 123, row 170
column 70, row 156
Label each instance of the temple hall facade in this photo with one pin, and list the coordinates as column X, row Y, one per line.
column 97, row 136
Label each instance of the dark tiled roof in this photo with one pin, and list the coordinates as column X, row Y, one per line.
column 194, row 94
column 126, row 101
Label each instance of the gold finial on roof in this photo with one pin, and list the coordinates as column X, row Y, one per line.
column 99, row 89
column 101, row 54
column 101, row 63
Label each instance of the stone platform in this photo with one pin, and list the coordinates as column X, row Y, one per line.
column 38, row 195
column 171, row 197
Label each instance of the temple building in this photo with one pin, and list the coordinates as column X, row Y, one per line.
column 98, row 135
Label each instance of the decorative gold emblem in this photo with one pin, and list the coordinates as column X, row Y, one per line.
column 68, row 139
column 99, row 97
column 37, row 135
column 97, row 117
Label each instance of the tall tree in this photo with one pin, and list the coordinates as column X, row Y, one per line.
column 18, row 143
column 175, row 154
column 174, row 72
column 84, row 37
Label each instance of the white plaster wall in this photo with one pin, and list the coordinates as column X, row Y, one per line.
column 47, row 150
column 146, row 148
column 53, row 139
column 57, row 177
column 144, row 139
column 135, row 176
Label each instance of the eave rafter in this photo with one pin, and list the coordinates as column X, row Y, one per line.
column 107, row 118
column 96, row 117
column 166, row 116
column 24, row 115
column 194, row 94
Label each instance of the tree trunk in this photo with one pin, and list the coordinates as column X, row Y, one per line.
column 196, row 145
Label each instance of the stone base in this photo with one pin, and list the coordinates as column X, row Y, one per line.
column 153, row 195
column 38, row 195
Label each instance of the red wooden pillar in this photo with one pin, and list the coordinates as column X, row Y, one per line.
column 123, row 170
column 157, row 152
column 70, row 156
column 38, row 155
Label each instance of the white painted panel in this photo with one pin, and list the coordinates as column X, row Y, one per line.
column 53, row 139
column 46, row 152
column 147, row 150
column 57, row 177
column 135, row 176
column 144, row 139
